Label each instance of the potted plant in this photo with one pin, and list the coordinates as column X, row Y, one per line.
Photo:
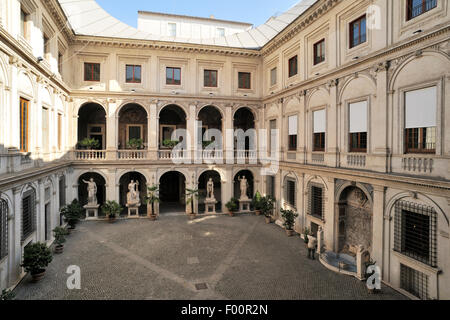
column 256, row 202
column 60, row 237
column 135, row 144
column 7, row 295
column 89, row 144
column 36, row 258
column 170, row 143
column 306, row 233
column 232, row 206
column 112, row 209
column 289, row 217
column 72, row 213
column 191, row 194
column 267, row 206
column 151, row 198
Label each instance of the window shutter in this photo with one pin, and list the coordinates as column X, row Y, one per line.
column 3, row 229
column 293, row 125
column 358, row 117
column 319, row 121
column 421, row 108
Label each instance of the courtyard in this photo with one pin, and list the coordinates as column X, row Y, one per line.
column 212, row 257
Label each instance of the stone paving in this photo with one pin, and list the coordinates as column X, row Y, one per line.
column 213, row 257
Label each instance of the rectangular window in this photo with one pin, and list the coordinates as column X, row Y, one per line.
column 28, row 215
column 273, row 77
column 172, row 29
column 59, row 131
column 290, row 193
column 319, row 130
column 220, row 32
column 293, row 66
column 3, row 229
column 244, row 80
column 135, row 132
column 210, row 78
column 358, row 126
column 23, row 23
column 316, row 202
column 319, row 52
column 62, row 197
column 417, row 7
column 45, row 130
column 358, row 31
column 60, row 62
column 24, row 121
column 358, row 142
column 92, row 72
column 133, row 73
column 293, row 131
column 414, row 282
column 173, row 76
column 271, row 186
column 273, row 136
column 421, row 120
column 46, row 47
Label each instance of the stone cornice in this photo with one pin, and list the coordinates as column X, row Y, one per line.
column 54, row 8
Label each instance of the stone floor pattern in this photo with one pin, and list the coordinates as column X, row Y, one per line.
column 213, row 257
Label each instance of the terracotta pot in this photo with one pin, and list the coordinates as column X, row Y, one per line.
column 258, row 212
column 231, row 213
column 59, row 249
column 37, row 276
column 153, row 217
column 268, row 220
column 290, row 233
column 112, row 220
column 192, row 216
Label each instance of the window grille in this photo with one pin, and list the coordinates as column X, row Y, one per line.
column 414, row 282
column 316, row 201
column 28, row 214
column 290, row 192
column 3, row 229
column 415, row 232
column 271, row 186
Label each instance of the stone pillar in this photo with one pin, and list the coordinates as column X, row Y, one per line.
column 12, row 133
column 331, row 142
column 227, row 188
column 111, row 131
column 15, row 225
column 320, row 241
column 112, row 190
column 330, row 216
column 378, row 225
column 192, row 131
column 153, row 131
column 301, row 138
column 228, row 125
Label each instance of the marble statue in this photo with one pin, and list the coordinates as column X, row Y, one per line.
column 92, row 192
column 243, row 186
column 210, row 189
column 133, row 194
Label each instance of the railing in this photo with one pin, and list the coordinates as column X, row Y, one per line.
column 170, row 154
column 318, row 157
column 416, row 164
column 246, row 154
column 131, row 154
column 211, row 154
column 90, row 154
column 356, row 160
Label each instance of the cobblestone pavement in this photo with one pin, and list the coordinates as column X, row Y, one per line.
column 236, row 257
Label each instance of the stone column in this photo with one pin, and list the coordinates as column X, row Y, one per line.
column 111, row 130
column 330, row 216
column 228, row 125
column 192, row 131
column 15, row 252
column 378, row 225
column 331, row 142
column 153, row 131
column 227, row 188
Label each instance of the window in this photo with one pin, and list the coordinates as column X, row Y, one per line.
column 358, row 126
column 62, row 191
column 3, row 229
column 414, row 282
column 319, row 130
column 24, row 130
column 92, row 72
column 244, row 80
column 316, row 202
column 46, row 47
column 319, row 52
column 293, row 131
column 210, row 78
column 173, row 76
column 358, row 31
column 415, row 232
column 59, row 131
column 28, row 214
column 134, row 132
column 47, row 215
column 273, row 77
column 60, row 62
column 290, row 192
column 23, row 23
column 45, row 130
column 172, row 29
column 417, row 7
column 220, row 32
column 133, row 73
column 271, row 186
column 421, row 120
column 273, row 136
column 293, row 66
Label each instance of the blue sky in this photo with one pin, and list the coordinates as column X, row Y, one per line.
column 251, row 11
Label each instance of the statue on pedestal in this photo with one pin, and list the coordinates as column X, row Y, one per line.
column 210, row 189
column 243, row 186
column 133, row 199
column 92, row 192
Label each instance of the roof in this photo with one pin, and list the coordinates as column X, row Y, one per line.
column 194, row 17
column 87, row 18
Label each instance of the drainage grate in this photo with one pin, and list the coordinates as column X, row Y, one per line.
column 201, row 286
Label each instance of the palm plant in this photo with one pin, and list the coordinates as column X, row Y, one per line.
column 89, row 143
column 152, row 197
column 135, row 144
column 112, row 209
column 191, row 195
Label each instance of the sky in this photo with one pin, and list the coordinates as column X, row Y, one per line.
column 255, row 12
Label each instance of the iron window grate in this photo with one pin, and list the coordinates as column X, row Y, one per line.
column 415, row 232
column 414, row 282
column 290, row 193
column 28, row 214
column 316, row 201
column 3, row 229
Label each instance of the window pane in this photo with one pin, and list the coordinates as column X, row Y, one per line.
column 214, row 78
column 96, row 72
column 169, row 75
column 134, row 132
column 177, row 74
column 129, row 73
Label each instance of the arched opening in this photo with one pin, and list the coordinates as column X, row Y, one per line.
column 133, row 132
column 171, row 118
column 172, row 193
column 210, row 118
column 92, row 124
column 237, row 182
column 129, row 181
column 83, row 190
column 355, row 221
column 203, row 190
column 244, row 120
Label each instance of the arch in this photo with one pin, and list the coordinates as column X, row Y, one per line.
column 79, row 106
column 93, row 171
column 184, row 172
column 312, row 178
column 59, row 104
column 218, row 170
column 132, row 123
column 126, row 103
column 25, row 85
column 179, row 105
column 3, row 73
column 417, row 197
column 290, row 174
column 222, row 113
column 4, row 196
column 349, row 81
column 358, row 185
column 251, row 109
column 172, row 192
column 46, row 96
column 202, row 181
column 123, row 172
column 83, row 192
column 92, row 123
column 124, row 182
column 29, row 186
column 251, row 182
column 317, row 97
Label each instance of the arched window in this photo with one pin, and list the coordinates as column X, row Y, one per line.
column 3, row 229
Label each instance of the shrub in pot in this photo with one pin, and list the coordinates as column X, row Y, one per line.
column 191, row 195
column 89, row 144
column 151, row 198
column 289, row 217
column 256, row 203
column 170, row 143
column 72, row 213
column 36, row 258
column 60, row 238
column 112, row 209
column 232, row 206
column 135, row 144
column 306, row 233
column 267, row 206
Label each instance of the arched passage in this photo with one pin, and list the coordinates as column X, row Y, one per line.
column 171, row 118
column 243, row 120
column 83, row 192
column 172, row 193
column 355, row 221
column 210, row 118
column 250, row 179
column 202, row 187
column 141, row 186
column 92, row 124
column 132, row 126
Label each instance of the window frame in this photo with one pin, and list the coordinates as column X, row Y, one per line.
column 24, row 125
column 319, row 58
column 174, row 81
column 210, row 84
column 292, row 203
column 244, row 80
column 92, row 65
column 133, row 66
column 32, row 215
column 292, row 72
column 421, row 135
column 312, row 204
column 273, row 76
column 410, row 8
column 4, row 236
column 359, row 148
column 353, row 43
column 319, row 142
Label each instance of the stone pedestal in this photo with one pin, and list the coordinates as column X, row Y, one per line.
column 133, row 211
column 210, row 206
column 244, row 205
column 91, row 211
column 320, row 242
